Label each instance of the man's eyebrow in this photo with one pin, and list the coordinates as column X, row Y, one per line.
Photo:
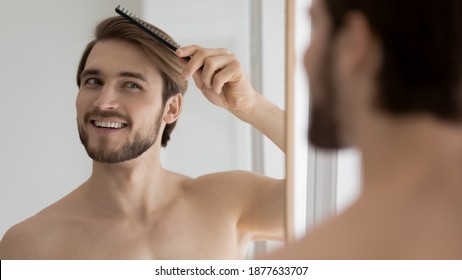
column 135, row 75
column 96, row 72
column 89, row 72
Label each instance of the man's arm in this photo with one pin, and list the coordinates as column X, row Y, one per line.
column 268, row 119
column 264, row 214
column 221, row 78
column 256, row 200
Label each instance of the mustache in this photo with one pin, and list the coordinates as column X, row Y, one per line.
column 97, row 113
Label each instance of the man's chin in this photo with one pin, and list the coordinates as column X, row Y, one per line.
column 126, row 153
column 325, row 137
column 104, row 157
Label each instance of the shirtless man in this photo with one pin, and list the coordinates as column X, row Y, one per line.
column 386, row 78
column 130, row 95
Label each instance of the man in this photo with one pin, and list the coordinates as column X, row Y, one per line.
column 385, row 77
column 130, row 96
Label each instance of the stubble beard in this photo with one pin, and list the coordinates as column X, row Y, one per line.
column 133, row 148
column 324, row 129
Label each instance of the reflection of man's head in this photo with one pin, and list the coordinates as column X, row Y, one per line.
column 134, row 58
column 418, row 67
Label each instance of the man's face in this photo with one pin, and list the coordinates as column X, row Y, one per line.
column 119, row 104
column 324, row 130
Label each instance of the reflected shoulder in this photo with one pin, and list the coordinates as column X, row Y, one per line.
column 232, row 178
column 235, row 182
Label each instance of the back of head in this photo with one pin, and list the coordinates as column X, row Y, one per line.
column 422, row 53
column 161, row 57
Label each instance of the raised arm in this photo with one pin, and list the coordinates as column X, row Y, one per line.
column 221, row 78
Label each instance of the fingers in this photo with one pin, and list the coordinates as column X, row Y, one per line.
column 219, row 70
column 197, row 57
column 218, row 66
column 232, row 73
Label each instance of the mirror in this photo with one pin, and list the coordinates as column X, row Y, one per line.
column 42, row 158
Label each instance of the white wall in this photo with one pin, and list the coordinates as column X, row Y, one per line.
column 273, row 75
column 301, row 161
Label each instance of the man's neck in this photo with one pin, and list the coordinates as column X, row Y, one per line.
column 132, row 188
column 419, row 152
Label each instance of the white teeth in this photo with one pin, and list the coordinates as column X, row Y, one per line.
column 108, row 124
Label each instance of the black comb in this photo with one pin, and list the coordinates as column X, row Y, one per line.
column 155, row 32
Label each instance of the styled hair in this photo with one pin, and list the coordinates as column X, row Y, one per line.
column 161, row 57
column 422, row 53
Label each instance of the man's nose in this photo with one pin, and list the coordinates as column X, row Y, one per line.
column 107, row 98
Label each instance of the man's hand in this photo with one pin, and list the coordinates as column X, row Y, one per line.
column 220, row 77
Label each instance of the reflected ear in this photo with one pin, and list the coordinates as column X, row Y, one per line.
column 359, row 43
column 173, row 108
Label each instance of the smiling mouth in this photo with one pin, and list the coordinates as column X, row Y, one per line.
column 111, row 125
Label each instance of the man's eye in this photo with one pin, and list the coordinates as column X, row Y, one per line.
column 93, row 81
column 132, row 85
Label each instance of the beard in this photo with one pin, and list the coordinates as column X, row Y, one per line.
column 324, row 129
column 131, row 149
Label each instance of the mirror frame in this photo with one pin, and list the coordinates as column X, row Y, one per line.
column 289, row 121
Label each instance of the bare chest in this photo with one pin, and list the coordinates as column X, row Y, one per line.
column 175, row 235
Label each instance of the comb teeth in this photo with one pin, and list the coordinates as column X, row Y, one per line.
column 155, row 32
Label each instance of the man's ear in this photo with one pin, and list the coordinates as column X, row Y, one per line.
column 359, row 43
column 173, row 108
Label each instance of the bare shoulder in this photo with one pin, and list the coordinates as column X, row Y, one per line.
column 37, row 236
column 232, row 181
column 231, row 184
column 28, row 239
